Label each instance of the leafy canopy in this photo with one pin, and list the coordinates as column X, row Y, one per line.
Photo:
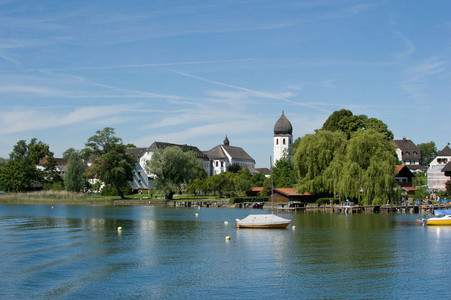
column 172, row 168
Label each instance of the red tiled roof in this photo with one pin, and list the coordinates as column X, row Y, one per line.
column 291, row 192
column 257, row 189
column 409, row 189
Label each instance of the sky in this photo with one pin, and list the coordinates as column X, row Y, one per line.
column 192, row 72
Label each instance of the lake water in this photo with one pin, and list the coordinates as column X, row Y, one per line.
column 76, row 252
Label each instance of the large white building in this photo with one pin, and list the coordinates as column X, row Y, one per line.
column 143, row 180
column 223, row 156
column 283, row 137
column 437, row 178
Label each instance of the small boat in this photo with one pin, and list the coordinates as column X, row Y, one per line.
column 262, row 221
column 441, row 217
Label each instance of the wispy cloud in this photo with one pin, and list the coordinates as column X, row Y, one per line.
column 21, row 120
column 417, row 77
column 253, row 92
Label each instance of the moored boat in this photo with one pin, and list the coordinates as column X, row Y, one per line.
column 441, row 217
column 262, row 221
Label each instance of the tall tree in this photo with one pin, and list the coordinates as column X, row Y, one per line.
column 428, row 152
column 343, row 120
column 314, row 156
column 283, row 173
column 20, row 171
column 362, row 168
column 73, row 180
column 113, row 166
column 68, row 152
column 172, row 168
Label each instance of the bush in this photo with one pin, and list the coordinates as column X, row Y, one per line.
column 111, row 191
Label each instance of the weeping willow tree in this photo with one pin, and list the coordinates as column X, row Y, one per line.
column 314, row 160
column 369, row 168
column 361, row 168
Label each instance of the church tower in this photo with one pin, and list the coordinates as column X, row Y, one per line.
column 283, row 137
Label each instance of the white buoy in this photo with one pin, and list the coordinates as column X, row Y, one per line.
column 196, row 214
column 119, row 228
column 227, row 238
column 294, row 227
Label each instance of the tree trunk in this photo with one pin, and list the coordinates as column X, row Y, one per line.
column 168, row 196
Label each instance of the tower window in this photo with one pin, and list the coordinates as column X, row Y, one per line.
column 284, row 141
column 277, row 141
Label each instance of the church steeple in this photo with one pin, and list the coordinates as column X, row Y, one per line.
column 226, row 141
column 283, row 137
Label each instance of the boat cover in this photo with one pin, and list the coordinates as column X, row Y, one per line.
column 438, row 212
column 266, row 219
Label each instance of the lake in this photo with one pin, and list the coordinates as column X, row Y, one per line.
column 76, row 252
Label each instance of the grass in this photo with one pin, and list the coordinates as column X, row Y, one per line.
column 50, row 197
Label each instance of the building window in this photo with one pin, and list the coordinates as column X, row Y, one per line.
column 284, row 141
column 216, row 163
column 277, row 141
column 222, row 164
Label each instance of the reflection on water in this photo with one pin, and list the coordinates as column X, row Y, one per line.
column 74, row 252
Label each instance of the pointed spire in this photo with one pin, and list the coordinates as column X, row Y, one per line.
column 226, row 141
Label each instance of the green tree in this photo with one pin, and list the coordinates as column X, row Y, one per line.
column 343, row 120
column 20, row 172
column 313, row 159
column 448, row 187
column 428, row 152
column 242, row 182
column 68, row 152
column 361, row 168
column 369, row 169
column 284, row 174
column 17, row 175
column 2, row 161
column 74, row 178
column 172, row 168
column 113, row 166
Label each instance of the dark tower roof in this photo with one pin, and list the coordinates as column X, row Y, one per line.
column 283, row 126
column 226, row 141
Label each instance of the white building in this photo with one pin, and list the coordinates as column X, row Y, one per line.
column 223, row 156
column 143, row 180
column 436, row 178
column 283, row 138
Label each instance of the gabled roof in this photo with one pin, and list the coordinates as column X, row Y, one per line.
column 445, row 152
column 265, row 171
column 410, row 151
column 136, row 153
column 58, row 161
column 237, row 153
column 161, row 146
column 447, row 168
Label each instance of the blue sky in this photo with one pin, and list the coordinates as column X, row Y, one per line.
column 192, row 72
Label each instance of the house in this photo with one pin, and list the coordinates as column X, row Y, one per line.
column 404, row 179
column 409, row 154
column 290, row 194
column 436, row 177
column 223, row 156
column 143, row 180
column 61, row 165
column 404, row 176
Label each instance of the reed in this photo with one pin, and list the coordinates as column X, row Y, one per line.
column 61, row 197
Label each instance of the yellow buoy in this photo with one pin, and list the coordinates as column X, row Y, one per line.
column 197, row 214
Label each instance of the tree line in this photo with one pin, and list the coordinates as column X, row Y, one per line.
column 350, row 157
